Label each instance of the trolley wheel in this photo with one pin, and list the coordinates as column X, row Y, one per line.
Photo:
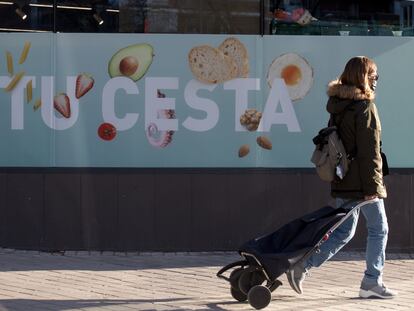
column 238, row 295
column 259, row 297
column 234, row 278
column 250, row 278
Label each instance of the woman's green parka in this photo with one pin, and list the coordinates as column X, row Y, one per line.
column 360, row 131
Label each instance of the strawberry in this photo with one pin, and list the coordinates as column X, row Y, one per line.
column 84, row 83
column 61, row 103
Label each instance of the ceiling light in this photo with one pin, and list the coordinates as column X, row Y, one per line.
column 21, row 30
column 20, row 12
column 38, row 5
column 98, row 19
column 96, row 16
column 74, row 7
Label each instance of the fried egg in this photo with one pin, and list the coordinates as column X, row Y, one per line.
column 295, row 71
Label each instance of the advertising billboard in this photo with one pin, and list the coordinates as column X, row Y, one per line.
column 139, row 100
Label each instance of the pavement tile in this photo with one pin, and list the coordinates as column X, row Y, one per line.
column 91, row 281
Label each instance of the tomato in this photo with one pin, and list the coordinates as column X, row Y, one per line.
column 107, row 131
column 282, row 15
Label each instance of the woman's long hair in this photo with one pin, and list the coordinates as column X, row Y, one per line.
column 356, row 73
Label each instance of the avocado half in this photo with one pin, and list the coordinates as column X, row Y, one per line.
column 132, row 61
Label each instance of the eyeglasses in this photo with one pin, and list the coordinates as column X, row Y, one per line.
column 374, row 77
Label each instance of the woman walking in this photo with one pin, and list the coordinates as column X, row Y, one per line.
column 352, row 109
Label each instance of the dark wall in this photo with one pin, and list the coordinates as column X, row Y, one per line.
column 172, row 209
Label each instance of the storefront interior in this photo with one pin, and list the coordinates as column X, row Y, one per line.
column 264, row 17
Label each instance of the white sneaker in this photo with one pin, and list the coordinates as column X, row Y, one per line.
column 296, row 276
column 376, row 291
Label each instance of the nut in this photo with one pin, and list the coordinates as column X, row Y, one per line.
column 264, row 142
column 243, row 120
column 244, row 150
column 252, row 127
column 251, row 119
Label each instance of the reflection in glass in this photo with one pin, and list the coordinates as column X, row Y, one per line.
column 278, row 17
column 359, row 18
column 20, row 13
column 26, row 15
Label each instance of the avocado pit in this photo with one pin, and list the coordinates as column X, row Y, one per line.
column 128, row 65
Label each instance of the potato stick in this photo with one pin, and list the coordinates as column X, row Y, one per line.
column 29, row 91
column 9, row 57
column 14, row 81
column 25, row 52
column 37, row 104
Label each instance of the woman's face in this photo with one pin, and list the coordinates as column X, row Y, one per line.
column 373, row 79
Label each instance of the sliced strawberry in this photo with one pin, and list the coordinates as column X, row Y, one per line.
column 61, row 103
column 84, row 83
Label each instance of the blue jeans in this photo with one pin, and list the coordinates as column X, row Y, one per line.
column 377, row 226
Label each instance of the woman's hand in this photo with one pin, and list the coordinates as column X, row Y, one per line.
column 370, row 197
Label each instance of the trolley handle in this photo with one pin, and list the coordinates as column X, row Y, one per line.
column 376, row 200
column 359, row 205
column 348, row 214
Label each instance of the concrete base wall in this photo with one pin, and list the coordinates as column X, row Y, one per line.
column 172, row 209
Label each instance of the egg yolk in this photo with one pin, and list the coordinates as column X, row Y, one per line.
column 291, row 74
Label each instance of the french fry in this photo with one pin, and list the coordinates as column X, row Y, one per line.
column 25, row 52
column 9, row 57
column 16, row 79
column 37, row 104
column 29, row 91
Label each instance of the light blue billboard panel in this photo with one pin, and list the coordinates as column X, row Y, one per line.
column 139, row 100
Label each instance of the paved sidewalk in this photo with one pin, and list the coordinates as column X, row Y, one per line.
column 31, row 281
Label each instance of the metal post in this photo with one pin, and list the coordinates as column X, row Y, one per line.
column 262, row 17
column 54, row 16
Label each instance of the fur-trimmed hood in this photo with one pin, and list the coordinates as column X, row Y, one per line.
column 341, row 95
column 337, row 89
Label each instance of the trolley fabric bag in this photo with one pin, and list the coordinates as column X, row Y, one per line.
column 268, row 256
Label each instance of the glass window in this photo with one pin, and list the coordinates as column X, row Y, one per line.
column 26, row 15
column 204, row 16
column 278, row 17
column 362, row 18
column 88, row 16
column 134, row 16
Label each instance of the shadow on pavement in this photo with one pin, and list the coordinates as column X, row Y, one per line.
column 61, row 305
column 33, row 261
column 311, row 304
column 133, row 304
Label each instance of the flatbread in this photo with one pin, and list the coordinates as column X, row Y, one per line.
column 235, row 49
column 210, row 65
